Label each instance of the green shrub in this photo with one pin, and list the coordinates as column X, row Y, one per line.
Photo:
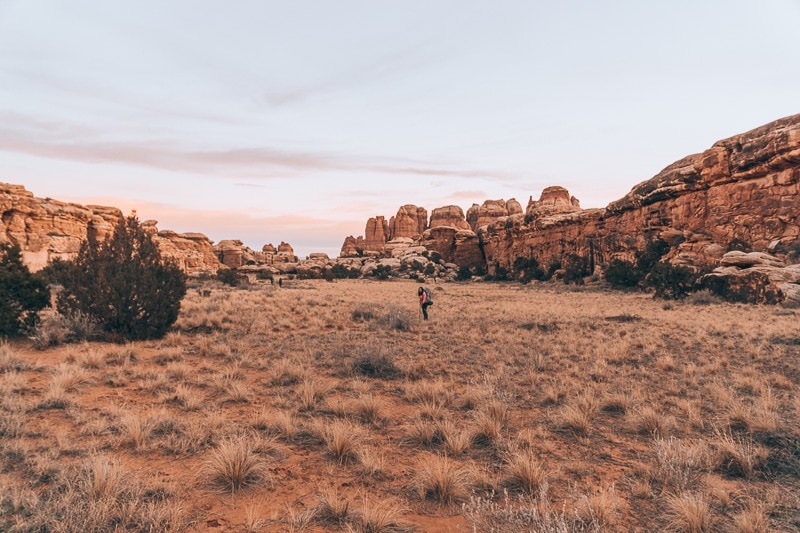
column 382, row 272
column 622, row 274
column 670, row 281
column 340, row 271
column 527, row 269
column 575, row 269
column 229, row 276
column 464, row 274
column 123, row 284
column 653, row 251
column 22, row 295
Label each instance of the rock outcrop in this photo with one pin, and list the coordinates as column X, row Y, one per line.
column 755, row 277
column 491, row 211
column 742, row 189
column 449, row 215
column 409, row 222
column 47, row 229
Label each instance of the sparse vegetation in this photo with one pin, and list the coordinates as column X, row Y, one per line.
column 537, row 407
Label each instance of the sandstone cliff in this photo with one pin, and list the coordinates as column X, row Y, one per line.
column 744, row 189
column 47, row 229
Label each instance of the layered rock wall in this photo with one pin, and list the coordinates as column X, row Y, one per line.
column 47, row 229
column 744, row 188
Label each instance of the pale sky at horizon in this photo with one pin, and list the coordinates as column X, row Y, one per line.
column 296, row 121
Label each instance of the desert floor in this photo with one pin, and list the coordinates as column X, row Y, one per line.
column 332, row 406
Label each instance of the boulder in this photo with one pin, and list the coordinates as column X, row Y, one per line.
column 450, row 215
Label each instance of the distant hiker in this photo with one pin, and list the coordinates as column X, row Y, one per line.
column 425, row 300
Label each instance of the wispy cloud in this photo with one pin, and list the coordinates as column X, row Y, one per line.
column 40, row 138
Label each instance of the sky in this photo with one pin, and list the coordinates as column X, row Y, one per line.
column 295, row 121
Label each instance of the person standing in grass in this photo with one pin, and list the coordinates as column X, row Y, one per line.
column 425, row 301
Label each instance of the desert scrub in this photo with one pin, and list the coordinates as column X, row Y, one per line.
column 234, row 465
column 374, row 361
column 100, row 495
column 678, row 465
column 342, row 441
column 524, row 473
column 443, row 480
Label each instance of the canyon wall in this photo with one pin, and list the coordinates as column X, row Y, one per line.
column 47, row 229
column 743, row 189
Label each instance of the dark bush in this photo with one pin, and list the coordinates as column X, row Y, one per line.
column 340, row 271
column 464, row 274
column 123, row 284
column 575, row 269
column 527, row 269
column 229, row 276
column 622, row 274
column 382, row 272
column 654, row 250
column 375, row 364
column 670, row 281
column 22, row 295
column 738, row 245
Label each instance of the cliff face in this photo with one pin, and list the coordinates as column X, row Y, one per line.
column 47, row 229
column 743, row 188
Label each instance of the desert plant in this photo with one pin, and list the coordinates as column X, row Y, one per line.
column 123, row 283
column 229, row 276
column 670, row 281
column 376, row 362
column 342, row 440
column 576, row 268
column 443, row 480
column 689, row 512
column 332, row 509
column 234, row 465
column 380, row 516
column 679, row 465
column 622, row 274
column 524, row 473
column 737, row 456
column 22, row 294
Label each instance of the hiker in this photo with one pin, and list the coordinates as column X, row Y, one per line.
column 425, row 301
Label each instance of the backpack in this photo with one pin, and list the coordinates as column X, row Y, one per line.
column 428, row 295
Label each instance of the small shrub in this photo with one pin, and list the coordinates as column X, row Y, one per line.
column 464, row 274
column 22, row 294
column 670, row 281
column 234, row 465
column 527, row 269
column 689, row 512
column 229, row 276
column 524, row 473
column 622, row 274
column 375, row 362
column 398, row 319
column 576, row 268
column 342, row 441
column 442, row 480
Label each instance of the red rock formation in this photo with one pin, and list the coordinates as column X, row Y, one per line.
column 745, row 187
column 454, row 245
column 375, row 234
column 450, row 215
column 410, row 221
column 47, row 229
column 490, row 211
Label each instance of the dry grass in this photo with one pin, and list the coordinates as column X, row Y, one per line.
column 524, row 473
column 689, row 512
column 443, row 480
column 234, row 465
column 593, row 411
